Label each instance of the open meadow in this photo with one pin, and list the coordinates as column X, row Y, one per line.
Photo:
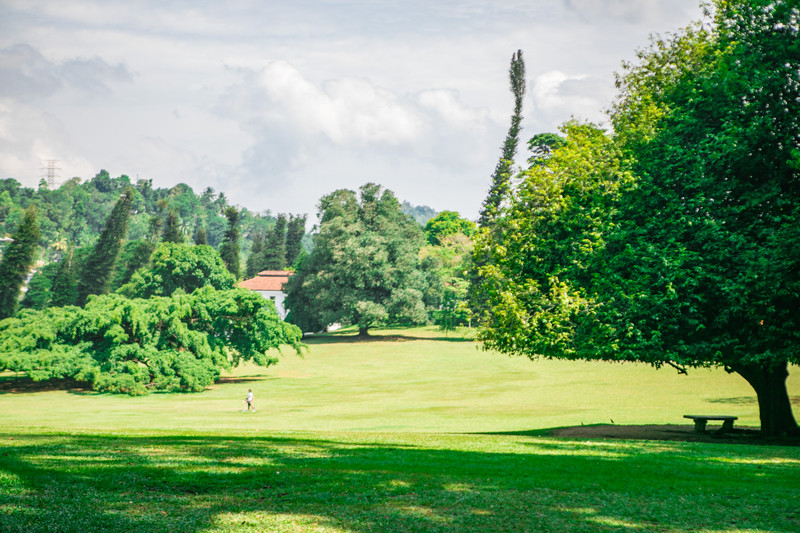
column 408, row 431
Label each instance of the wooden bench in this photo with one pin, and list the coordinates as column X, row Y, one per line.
column 701, row 420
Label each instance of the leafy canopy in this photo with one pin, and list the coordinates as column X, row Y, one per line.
column 175, row 267
column 675, row 242
column 364, row 267
column 176, row 343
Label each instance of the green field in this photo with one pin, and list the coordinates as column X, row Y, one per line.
column 403, row 432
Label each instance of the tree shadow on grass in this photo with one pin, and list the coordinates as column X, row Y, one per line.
column 198, row 483
column 328, row 338
column 657, row 432
column 12, row 384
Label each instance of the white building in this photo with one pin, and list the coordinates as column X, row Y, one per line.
column 269, row 284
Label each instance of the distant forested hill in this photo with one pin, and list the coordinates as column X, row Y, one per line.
column 421, row 213
column 74, row 213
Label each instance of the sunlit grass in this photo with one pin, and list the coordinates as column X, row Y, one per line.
column 409, row 432
column 407, row 380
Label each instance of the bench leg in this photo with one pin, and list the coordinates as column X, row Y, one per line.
column 727, row 425
column 700, row 425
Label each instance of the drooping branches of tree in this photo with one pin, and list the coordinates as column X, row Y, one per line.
column 133, row 346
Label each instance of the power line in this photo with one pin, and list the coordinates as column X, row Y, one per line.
column 51, row 169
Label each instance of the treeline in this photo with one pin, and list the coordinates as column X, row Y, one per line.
column 155, row 313
column 73, row 218
column 75, row 212
column 162, row 312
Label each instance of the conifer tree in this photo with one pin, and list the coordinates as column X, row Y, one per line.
column 172, row 230
column 256, row 255
column 231, row 246
column 275, row 246
column 17, row 261
column 200, row 235
column 96, row 275
column 502, row 173
column 64, row 290
column 295, row 230
column 499, row 189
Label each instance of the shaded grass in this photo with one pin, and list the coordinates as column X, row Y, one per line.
column 362, row 482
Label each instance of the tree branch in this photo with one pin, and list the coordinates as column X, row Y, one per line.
column 680, row 369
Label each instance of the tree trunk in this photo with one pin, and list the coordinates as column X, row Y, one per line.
column 363, row 332
column 774, row 407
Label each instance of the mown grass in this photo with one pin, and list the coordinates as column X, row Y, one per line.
column 361, row 482
column 395, row 434
column 407, row 380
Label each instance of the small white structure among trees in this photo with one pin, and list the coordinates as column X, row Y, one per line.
column 269, row 284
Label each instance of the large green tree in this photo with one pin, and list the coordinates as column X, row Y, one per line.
column 133, row 346
column 676, row 242
column 17, row 261
column 99, row 266
column 364, row 266
column 179, row 266
column 711, row 120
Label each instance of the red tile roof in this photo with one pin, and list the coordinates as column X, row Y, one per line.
column 267, row 280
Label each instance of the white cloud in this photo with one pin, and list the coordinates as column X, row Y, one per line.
column 290, row 117
column 557, row 96
column 277, row 103
column 29, row 138
column 649, row 12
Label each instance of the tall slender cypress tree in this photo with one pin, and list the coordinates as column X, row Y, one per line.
column 231, row 247
column 17, row 261
column 200, row 235
column 96, row 275
column 253, row 266
column 172, row 230
column 295, row 230
column 64, row 290
column 275, row 246
column 499, row 189
column 502, row 173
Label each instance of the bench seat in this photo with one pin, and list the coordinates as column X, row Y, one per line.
column 700, row 422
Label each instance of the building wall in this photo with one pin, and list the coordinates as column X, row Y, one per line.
column 278, row 297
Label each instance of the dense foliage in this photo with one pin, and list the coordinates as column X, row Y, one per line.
column 364, row 268
column 75, row 212
column 676, row 241
column 98, row 268
column 175, row 267
column 445, row 224
column 134, row 346
column 17, row 260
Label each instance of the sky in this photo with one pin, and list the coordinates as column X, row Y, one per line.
column 277, row 103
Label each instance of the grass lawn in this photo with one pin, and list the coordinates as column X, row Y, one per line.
column 394, row 434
